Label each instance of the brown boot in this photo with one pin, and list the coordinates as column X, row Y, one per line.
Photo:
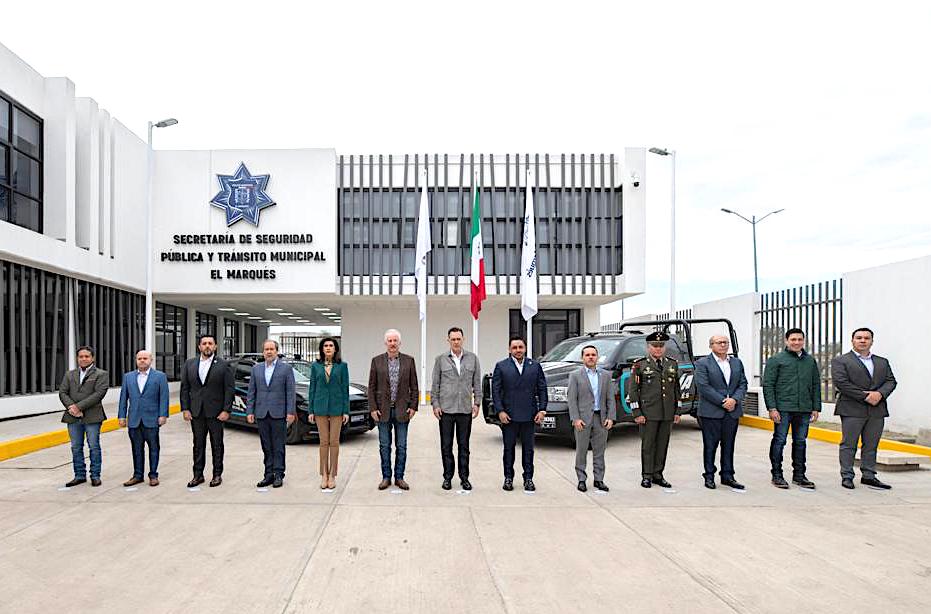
column 384, row 484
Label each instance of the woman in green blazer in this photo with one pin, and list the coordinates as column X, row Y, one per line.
column 328, row 404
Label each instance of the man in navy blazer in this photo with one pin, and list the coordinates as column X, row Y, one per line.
column 144, row 408
column 271, row 403
column 518, row 389
column 722, row 387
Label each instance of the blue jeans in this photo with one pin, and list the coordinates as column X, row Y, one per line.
column 77, row 431
column 400, row 446
column 140, row 437
column 799, row 422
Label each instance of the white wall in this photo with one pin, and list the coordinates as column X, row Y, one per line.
column 740, row 311
column 303, row 185
column 893, row 301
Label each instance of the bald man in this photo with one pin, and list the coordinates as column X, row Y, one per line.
column 144, row 408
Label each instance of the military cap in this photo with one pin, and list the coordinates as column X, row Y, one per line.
column 657, row 336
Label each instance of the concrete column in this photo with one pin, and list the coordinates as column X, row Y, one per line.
column 59, row 159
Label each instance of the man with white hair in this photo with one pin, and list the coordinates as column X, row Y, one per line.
column 393, row 396
column 144, row 408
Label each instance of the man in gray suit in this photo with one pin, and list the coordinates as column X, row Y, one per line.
column 456, row 396
column 593, row 412
column 81, row 392
column 863, row 381
column 271, row 402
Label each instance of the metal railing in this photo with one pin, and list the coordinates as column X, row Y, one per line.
column 814, row 308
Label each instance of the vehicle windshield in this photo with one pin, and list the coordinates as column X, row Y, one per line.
column 570, row 350
column 301, row 372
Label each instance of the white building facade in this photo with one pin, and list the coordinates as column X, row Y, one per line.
column 245, row 240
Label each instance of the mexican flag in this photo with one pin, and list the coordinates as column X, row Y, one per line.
column 477, row 271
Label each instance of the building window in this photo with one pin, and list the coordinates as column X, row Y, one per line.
column 550, row 326
column 33, row 308
column 113, row 323
column 170, row 339
column 252, row 338
column 230, row 337
column 206, row 325
column 20, row 165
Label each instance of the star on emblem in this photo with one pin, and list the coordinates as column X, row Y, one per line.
column 242, row 195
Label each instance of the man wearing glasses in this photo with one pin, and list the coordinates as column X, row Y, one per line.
column 722, row 387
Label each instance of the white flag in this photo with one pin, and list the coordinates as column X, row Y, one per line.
column 528, row 259
column 423, row 248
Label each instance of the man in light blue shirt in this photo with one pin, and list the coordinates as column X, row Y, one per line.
column 593, row 411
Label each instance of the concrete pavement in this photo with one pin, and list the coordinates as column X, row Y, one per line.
column 295, row 549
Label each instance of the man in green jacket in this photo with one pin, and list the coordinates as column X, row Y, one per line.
column 792, row 391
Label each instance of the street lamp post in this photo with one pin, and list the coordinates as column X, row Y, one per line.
column 753, row 222
column 672, row 228
column 149, row 318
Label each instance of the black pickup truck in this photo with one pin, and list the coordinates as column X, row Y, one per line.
column 617, row 350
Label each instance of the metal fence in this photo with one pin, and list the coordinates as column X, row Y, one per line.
column 817, row 310
column 681, row 314
column 304, row 346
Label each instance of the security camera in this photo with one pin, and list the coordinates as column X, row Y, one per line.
column 635, row 179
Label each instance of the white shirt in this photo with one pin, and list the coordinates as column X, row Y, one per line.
column 141, row 378
column 725, row 367
column 203, row 368
column 457, row 360
column 83, row 373
column 520, row 365
column 867, row 362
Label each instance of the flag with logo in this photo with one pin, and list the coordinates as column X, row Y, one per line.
column 528, row 259
column 423, row 248
column 477, row 270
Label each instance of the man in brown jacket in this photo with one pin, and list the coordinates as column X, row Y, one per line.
column 81, row 392
column 393, row 400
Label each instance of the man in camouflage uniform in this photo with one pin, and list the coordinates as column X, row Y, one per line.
column 654, row 395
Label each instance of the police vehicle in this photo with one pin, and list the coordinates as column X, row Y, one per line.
column 617, row 351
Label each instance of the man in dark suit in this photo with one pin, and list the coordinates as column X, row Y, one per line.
column 207, row 391
column 863, row 381
column 518, row 389
column 144, row 409
column 722, row 386
column 271, row 402
column 394, row 396
column 81, row 392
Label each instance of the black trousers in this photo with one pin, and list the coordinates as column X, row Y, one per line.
column 723, row 432
column 272, row 433
column 510, row 432
column 201, row 426
column 461, row 424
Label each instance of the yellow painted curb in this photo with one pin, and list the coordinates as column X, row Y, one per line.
column 33, row 443
column 835, row 436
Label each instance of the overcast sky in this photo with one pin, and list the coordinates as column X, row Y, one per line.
column 823, row 109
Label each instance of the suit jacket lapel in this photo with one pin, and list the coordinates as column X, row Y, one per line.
column 209, row 372
column 866, row 372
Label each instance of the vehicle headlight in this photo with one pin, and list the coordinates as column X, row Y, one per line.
column 556, row 393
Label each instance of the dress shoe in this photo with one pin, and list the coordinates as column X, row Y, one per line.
column 278, row 482
column 780, row 482
column 528, row 486
column 508, row 484
column 646, row 483
column 447, row 484
column 402, row 484
column 662, row 483
column 600, row 486
column 95, row 482
column 733, row 484
column 196, row 482
column 153, row 481
column 583, row 487
column 216, row 481
column 75, row 482
column 466, row 485
column 875, row 483
column 803, row 482
column 709, row 483
column 265, row 482
column 132, row 482
column 847, row 483
column 385, row 483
